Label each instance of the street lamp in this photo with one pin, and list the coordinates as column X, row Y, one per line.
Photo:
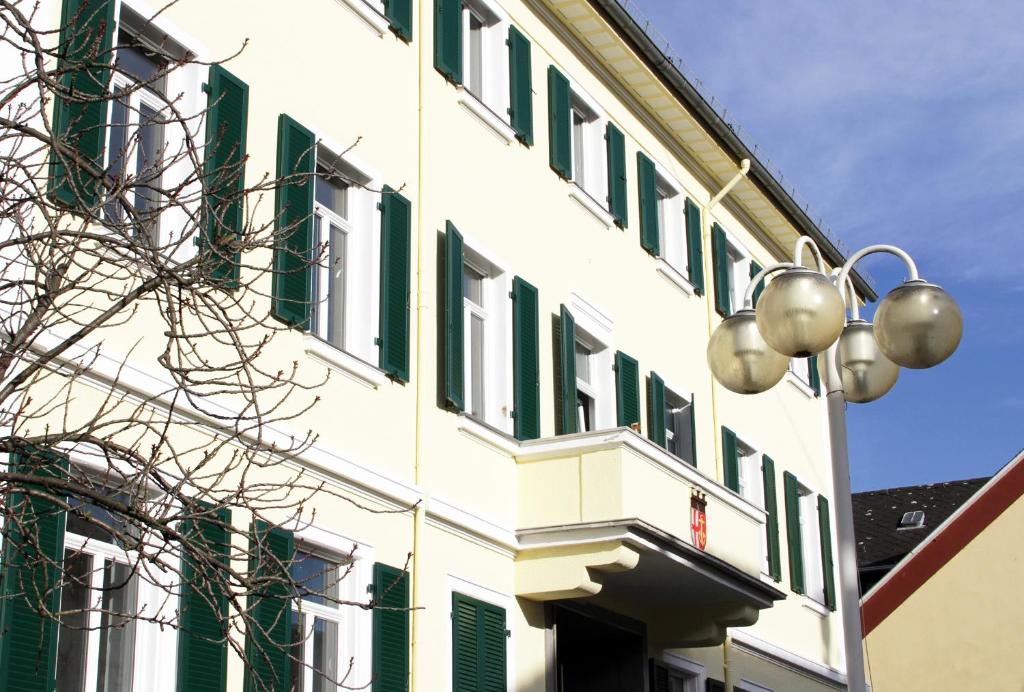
column 802, row 313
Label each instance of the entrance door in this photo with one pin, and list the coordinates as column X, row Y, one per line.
column 594, row 655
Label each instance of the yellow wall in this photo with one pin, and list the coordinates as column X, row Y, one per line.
column 961, row 629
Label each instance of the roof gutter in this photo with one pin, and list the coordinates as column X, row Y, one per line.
column 625, row 25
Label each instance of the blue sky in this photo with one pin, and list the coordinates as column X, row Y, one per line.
column 900, row 123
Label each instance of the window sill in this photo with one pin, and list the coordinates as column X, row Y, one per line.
column 590, row 204
column 819, row 609
column 804, row 388
column 487, row 434
column 674, row 276
column 485, row 115
column 374, row 19
column 348, row 365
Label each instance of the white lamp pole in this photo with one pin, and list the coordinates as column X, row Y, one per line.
column 802, row 313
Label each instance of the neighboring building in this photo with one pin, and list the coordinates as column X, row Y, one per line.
column 947, row 616
column 552, row 230
column 890, row 523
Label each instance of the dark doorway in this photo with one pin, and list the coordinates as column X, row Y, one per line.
column 597, row 654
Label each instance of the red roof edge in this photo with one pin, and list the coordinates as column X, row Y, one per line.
column 949, row 539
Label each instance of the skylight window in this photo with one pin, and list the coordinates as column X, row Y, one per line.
column 912, row 520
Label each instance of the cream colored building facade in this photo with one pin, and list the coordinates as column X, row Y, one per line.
column 583, row 540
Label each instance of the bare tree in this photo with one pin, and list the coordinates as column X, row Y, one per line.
column 119, row 213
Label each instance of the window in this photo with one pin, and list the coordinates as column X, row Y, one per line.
column 678, row 426
column 586, row 395
column 739, row 276
column 485, row 57
column 99, row 600
column 912, row 520
column 677, row 674
column 732, row 271
column 475, row 330
column 588, row 152
column 814, row 582
column 479, row 644
column 344, row 282
column 671, row 223
column 317, row 629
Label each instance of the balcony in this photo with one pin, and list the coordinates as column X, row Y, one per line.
column 606, row 516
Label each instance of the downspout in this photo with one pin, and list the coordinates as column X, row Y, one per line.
column 419, row 511
column 709, row 280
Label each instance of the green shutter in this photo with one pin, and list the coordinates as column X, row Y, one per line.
column 559, row 124
column 656, row 409
column 694, row 247
column 399, row 14
column 293, row 226
column 693, row 430
column 80, row 105
column 395, row 265
column 479, row 646
column 567, row 420
column 771, row 508
column 813, row 376
column 755, row 269
column 796, row 554
column 520, row 84
column 616, row 146
column 827, row 569
column 390, row 629
column 454, row 370
column 226, row 125
column 525, row 360
column 720, row 258
column 647, row 183
column 33, row 548
column 730, row 460
column 627, row 390
column 203, row 610
column 268, row 640
column 448, row 39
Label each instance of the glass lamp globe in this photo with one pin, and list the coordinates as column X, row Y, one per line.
column 740, row 359
column 866, row 373
column 800, row 313
column 918, row 325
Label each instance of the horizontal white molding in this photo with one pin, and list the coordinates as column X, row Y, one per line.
column 795, row 662
column 590, row 204
column 346, row 364
column 674, row 276
column 484, row 114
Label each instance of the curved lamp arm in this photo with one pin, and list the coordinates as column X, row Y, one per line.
column 849, row 295
column 748, row 295
column 805, row 242
column 873, row 249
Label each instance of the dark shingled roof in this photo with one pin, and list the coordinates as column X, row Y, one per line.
column 876, row 517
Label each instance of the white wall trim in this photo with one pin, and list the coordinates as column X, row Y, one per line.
column 586, row 201
column 344, row 363
column 446, row 515
column 371, row 17
column 674, row 276
column 689, row 666
column 794, row 662
column 484, row 114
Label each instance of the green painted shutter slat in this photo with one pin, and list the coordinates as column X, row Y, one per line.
column 567, row 421
column 268, row 640
column 226, row 125
column 616, row 145
column 559, row 123
column 659, row 676
column 525, row 360
column 454, row 370
column 827, row 567
column 390, row 629
column 720, row 259
column 730, row 460
column 293, row 248
column 80, row 109
column 771, row 508
column 203, row 609
column 693, row 429
column 796, row 555
column 479, row 646
column 627, row 390
column 647, row 185
column 399, row 15
column 813, row 376
column 694, row 247
column 448, row 39
column 520, row 83
column 395, row 265
column 35, row 532
column 656, row 409
column 755, row 269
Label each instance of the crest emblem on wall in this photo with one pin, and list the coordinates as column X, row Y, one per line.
column 699, row 520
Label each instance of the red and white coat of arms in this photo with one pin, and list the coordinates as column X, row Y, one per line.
column 698, row 520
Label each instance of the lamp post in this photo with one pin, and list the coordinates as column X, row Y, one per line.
column 803, row 312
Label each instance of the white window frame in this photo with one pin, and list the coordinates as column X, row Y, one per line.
column 491, row 105
column 355, row 634
column 671, row 220
column 810, row 539
column 497, row 314
column 739, row 268
column 594, row 331
column 696, row 671
column 751, row 485
column 590, row 141
column 682, row 421
column 455, row 584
